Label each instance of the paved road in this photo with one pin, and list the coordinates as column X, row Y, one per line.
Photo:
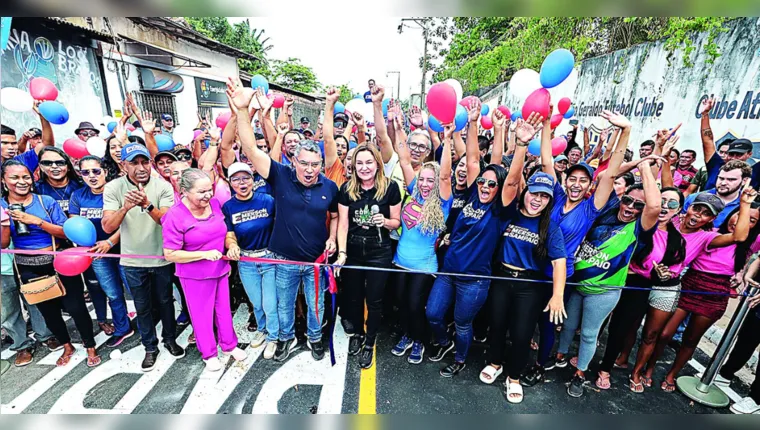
column 302, row 386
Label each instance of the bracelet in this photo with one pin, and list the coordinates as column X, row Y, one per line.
column 110, row 243
column 521, row 143
column 342, row 252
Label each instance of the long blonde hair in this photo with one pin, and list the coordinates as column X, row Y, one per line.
column 431, row 220
column 354, row 183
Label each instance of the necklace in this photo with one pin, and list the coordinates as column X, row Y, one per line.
column 58, row 193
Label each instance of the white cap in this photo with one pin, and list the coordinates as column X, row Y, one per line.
column 237, row 168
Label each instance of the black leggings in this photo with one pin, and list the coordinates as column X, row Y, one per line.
column 516, row 306
column 746, row 343
column 73, row 302
column 626, row 319
column 412, row 290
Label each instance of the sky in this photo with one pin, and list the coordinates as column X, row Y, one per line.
column 351, row 53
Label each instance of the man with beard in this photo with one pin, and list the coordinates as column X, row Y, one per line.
column 732, row 177
column 135, row 203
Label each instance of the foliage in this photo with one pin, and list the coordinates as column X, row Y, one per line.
column 240, row 36
column 294, row 75
column 487, row 51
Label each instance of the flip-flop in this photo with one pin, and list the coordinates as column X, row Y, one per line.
column 64, row 359
column 618, row 366
column 636, row 388
column 668, row 387
column 646, row 381
column 93, row 361
column 603, row 382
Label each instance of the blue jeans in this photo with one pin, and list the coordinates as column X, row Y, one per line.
column 587, row 311
column 288, row 280
column 13, row 319
column 259, row 282
column 469, row 295
column 109, row 277
column 150, row 285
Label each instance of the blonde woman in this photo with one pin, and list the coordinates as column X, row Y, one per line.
column 369, row 206
column 423, row 220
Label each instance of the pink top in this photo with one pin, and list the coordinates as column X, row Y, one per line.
column 182, row 231
column 222, row 192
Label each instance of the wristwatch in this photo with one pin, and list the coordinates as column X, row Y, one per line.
column 149, row 208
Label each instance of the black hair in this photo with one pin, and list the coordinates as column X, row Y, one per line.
column 90, row 158
column 340, row 136
column 628, row 155
column 634, row 187
column 648, row 142
column 742, row 248
column 483, row 143
column 112, row 167
column 4, row 129
column 11, row 163
column 540, row 251
column 571, row 147
column 258, row 136
column 725, row 142
column 535, row 168
column 70, row 172
column 675, row 247
column 500, row 172
column 690, row 151
column 627, row 178
column 136, row 139
column 678, row 153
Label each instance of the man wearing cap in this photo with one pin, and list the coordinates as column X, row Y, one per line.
column 30, row 139
column 85, row 131
column 305, row 123
column 340, row 122
column 308, row 134
column 167, row 124
column 732, row 177
column 135, row 203
column 183, row 154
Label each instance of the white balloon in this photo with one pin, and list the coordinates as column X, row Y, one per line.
column 457, row 87
column 96, row 146
column 115, row 354
column 356, row 105
column 16, row 100
column 369, row 112
column 183, row 135
column 524, row 82
column 139, row 133
column 565, row 89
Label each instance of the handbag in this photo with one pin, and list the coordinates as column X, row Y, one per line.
column 44, row 288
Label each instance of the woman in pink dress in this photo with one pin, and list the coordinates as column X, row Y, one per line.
column 194, row 232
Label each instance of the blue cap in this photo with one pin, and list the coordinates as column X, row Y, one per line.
column 132, row 150
column 541, row 182
column 166, row 117
column 586, row 168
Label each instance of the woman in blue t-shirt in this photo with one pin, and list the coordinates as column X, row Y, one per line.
column 423, row 218
column 88, row 202
column 473, row 241
column 249, row 217
column 44, row 219
column 58, row 179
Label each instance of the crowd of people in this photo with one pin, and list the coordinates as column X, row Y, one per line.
column 450, row 238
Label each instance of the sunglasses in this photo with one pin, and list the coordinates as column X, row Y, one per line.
column 91, row 172
column 483, row 181
column 90, row 133
column 628, row 201
column 670, row 204
column 53, row 163
column 184, row 157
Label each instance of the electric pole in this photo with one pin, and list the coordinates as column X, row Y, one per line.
column 398, row 85
column 422, row 23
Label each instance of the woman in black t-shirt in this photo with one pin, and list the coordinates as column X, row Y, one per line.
column 369, row 206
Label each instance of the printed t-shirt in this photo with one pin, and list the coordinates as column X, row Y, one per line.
column 251, row 220
column 61, row 195
column 574, row 224
column 520, row 239
column 360, row 211
column 459, row 199
column 87, row 204
column 37, row 237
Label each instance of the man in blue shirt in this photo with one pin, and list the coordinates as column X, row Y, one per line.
column 731, row 177
column 30, row 158
column 303, row 198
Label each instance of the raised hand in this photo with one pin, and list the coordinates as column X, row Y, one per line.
column 391, row 109
column 378, row 92
column 215, row 133
column 289, row 100
column 650, row 160
column 358, row 119
column 748, row 195
column 264, row 102
column 448, row 130
column 473, row 112
column 706, row 106
column 332, row 95
column 604, row 135
column 616, row 119
column 148, row 123
column 415, row 116
column 526, row 129
column 282, row 128
column 669, row 145
column 120, row 132
column 238, row 96
column 498, row 118
column 663, row 135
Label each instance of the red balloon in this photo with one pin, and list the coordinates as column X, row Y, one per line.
column 505, row 110
column 279, row 101
column 223, row 119
column 563, row 105
column 130, row 127
column 467, row 100
column 43, row 89
column 486, row 122
column 537, row 101
column 556, row 120
column 559, row 144
column 75, row 147
column 441, row 101
column 70, row 262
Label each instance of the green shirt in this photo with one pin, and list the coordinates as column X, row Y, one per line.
column 139, row 233
column 700, row 179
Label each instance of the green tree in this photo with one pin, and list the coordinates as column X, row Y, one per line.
column 292, row 74
column 240, row 36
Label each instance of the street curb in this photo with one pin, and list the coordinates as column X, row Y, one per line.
column 715, row 334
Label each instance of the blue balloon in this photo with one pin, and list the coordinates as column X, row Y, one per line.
column 258, row 81
column 484, row 110
column 54, row 112
column 164, row 142
column 534, row 147
column 460, row 119
column 556, row 68
column 434, row 124
column 385, row 108
column 358, row 96
column 339, row 108
column 111, row 126
column 570, row 112
column 515, row 116
column 5, row 31
column 80, row 230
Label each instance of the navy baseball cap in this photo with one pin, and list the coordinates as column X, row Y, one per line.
column 132, row 150
column 166, row 117
column 741, row 146
column 711, row 201
column 304, row 119
column 585, row 167
column 541, row 182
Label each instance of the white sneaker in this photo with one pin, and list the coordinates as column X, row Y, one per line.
column 258, row 339
column 746, row 406
column 270, row 350
column 213, row 364
column 238, row 354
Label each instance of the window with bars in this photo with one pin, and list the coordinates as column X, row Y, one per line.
column 157, row 104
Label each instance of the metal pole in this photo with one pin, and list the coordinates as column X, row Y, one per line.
column 702, row 390
column 424, row 67
column 398, row 91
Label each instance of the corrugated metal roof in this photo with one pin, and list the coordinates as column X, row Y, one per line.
column 92, row 32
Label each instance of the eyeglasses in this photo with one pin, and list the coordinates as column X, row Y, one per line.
column 483, row 181
column 53, row 163
column 670, row 204
column 91, row 172
column 241, row 179
column 89, row 133
column 419, row 147
column 628, row 201
column 184, row 157
column 314, row 165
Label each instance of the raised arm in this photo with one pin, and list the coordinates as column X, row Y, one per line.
column 524, row 132
column 275, row 153
column 331, row 148
column 444, row 181
column 265, row 115
column 149, row 127
column 652, row 196
column 587, row 141
column 547, row 161
column 607, row 178
column 228, row 138
column 361, row 127
column 383, row 139
column 473, row 151
column 667, row 174
column 239, row 99
column 708, row 141
column 741, row 231
column 48, row 139
column 404, row 160
column 500, row 124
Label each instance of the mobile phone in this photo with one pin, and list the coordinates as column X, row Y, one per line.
column 573, row 122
